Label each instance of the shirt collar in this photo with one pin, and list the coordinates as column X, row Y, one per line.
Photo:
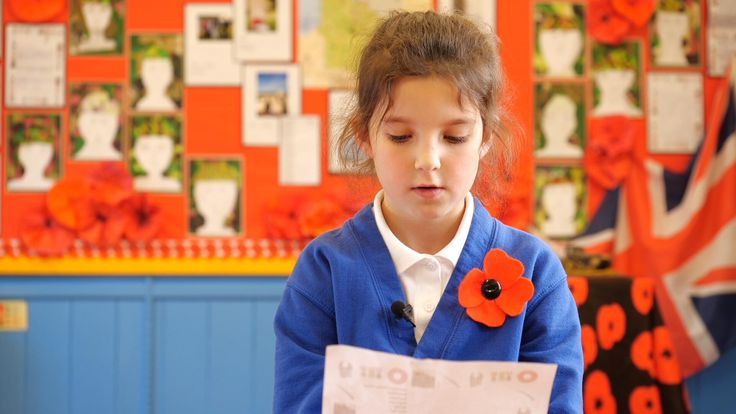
column 403, row 256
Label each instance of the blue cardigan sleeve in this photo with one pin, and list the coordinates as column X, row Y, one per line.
column 552, row 335
column 304, row 325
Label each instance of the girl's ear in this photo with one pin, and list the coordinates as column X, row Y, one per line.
column 485, row 146
column 364, row 143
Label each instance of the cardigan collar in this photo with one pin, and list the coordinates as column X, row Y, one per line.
column 388, row 286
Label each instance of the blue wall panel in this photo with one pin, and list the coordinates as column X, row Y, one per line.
column 140, row 345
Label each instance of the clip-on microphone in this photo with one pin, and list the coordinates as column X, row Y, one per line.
column 403, row 311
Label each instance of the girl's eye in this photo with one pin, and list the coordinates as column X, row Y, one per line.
column 455, row 140
column 398, row 138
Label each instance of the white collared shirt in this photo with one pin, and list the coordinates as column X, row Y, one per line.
column 424, row 276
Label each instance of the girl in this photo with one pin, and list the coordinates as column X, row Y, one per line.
column 427, row 113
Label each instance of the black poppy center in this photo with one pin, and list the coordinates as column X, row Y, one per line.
column 491, row 289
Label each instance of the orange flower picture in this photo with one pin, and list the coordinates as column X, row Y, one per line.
column 642, row 295
column 667, row 368
column 597, row 395
column 611, row 325
column 579, row 287
column 590, row 345
column 645, row 400
column 642, row 353
column 498, row 291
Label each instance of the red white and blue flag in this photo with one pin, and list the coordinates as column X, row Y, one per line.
column 680, row 229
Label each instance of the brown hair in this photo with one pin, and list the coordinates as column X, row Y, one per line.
column 431, row 44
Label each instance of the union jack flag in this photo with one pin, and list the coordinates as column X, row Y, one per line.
column 680, row 230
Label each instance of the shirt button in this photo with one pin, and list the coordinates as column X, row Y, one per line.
column 428, row 306
column 430, row 265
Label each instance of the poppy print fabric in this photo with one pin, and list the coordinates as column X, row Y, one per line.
column 630, row 366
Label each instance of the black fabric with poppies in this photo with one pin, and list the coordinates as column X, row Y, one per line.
column 630, row 366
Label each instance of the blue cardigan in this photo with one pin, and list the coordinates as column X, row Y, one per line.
column 344, row 282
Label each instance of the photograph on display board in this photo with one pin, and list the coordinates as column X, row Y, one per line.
column 95, row 122
column 263, row 30
column 156, row 153
column 208, row 46
column 33, row 151
column 559, row 39
column 675, row 34
column 299, row 151
column 96, row 27
column 156, row 83
column 559, row 117
column 270, row 92
column 330, row 37
column 617, row 79
column 215, row 197
column 559, row 207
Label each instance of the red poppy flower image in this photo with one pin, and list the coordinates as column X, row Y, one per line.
column 642, row 295
column 106, row 228
column 645, row 400
column 70, row 202
column 609, row 153
column 606, row 25
column 642, row 353
column 636, row 11
column 499, row 290
column 597, row 395
column 666, row 366
column 610, row 324
column 110, row 184
column 590, row 346
column 579, row 287
column 143, row 218
column 44, row 235
column 319, row 216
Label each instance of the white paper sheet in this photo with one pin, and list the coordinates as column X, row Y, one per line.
column 208, row 46
column 721, row 35
column 675, row 112
column 269, row 93
column 363, row 381
column 35, row 65
column 263, row 30
column 337, row 110
column 299, row 151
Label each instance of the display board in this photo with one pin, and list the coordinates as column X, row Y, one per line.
column 182, row 137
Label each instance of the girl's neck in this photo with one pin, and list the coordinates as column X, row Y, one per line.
column 424, row 236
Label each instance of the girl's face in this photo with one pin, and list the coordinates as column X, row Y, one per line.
column 426, row 151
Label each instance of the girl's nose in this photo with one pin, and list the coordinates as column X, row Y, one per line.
column 428, row 157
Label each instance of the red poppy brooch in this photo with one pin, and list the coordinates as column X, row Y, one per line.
column 496, row 291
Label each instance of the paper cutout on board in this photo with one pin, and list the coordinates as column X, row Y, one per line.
column 156, row 72
column 616, row 89
column 215, row 197
column 270, row 92
column 559, row 207
column 208, row 58
column 675, row 112
column 35, row 66
column 721, row 35
column 33, row 162
column 481, row 10
column 560, row 120
column 675, row 34
column 95, row 122
column 96, row 27
column 263, row 30
column 156, row 154
column 299, row 151
column 560, row 39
